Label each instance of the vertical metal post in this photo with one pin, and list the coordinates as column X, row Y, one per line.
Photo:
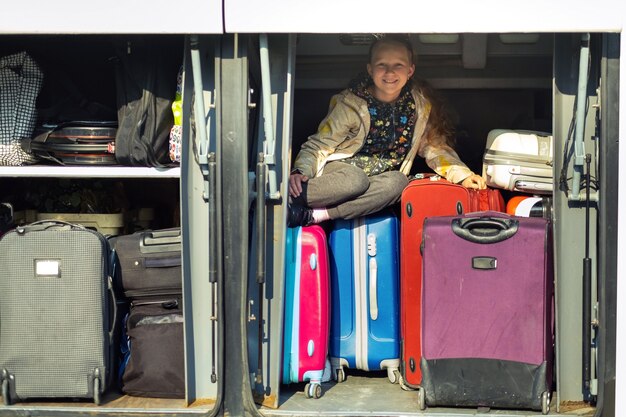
column 586, row 316
column 607, row 224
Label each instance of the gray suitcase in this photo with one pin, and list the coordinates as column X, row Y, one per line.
column 57, row 311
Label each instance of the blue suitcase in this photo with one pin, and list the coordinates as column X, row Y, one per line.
column 365, row 318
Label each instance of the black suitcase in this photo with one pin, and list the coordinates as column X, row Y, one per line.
column 150, row 276
column 149, row 263
column 57, row 312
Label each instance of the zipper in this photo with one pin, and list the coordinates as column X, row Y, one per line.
column 167, row 304
column 164, row 292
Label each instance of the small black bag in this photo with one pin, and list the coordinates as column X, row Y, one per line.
column 146, row 87
column 153, row 350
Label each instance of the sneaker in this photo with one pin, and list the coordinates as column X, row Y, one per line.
column 298, row 215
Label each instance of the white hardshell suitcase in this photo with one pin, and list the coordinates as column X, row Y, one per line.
column 519, row 160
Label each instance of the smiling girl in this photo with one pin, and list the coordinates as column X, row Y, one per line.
column 358, row 161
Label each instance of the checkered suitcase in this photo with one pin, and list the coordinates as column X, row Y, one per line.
column 57, row 310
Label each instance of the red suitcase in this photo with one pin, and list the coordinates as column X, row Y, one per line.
column 423, row 198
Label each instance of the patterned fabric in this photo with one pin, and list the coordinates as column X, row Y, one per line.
column 341, row 134
column 175, row 146
column 391, row 129
column 20, row 83
column 176, row 134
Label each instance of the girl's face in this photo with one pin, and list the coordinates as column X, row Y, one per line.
column 390, row 68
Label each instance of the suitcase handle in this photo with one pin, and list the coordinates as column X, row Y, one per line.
column 168, row 262
column 533, row 187
column 161, row 237
column 114, row 306
column 373, row 289
column 47, row 223
column 158, row 241
column 485, row 230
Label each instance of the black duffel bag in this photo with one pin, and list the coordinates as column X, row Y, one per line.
column 146, row 88
column 152, row 346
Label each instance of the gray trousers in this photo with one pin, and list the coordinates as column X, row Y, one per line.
column 347, row 192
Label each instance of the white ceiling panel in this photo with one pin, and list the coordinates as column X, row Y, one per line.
column 111, row 16
column 415, row 16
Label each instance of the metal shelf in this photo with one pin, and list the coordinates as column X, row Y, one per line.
column 38, row 171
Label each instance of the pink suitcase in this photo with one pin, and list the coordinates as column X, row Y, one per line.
column 307, row 308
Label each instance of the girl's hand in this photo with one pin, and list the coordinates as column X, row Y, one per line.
column 295, row 183
column 474, row 181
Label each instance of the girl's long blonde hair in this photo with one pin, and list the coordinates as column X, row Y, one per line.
column 440, row 128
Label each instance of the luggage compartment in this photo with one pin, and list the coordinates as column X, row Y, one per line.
column 512, row 90
column 115, row 199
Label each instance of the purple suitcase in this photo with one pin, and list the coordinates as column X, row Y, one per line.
column 487, row 307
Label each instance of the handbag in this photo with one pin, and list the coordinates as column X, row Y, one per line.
column 146, row 88
column 21, row 80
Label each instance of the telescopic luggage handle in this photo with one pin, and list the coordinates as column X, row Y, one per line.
column 485, row 230
column 158, row 241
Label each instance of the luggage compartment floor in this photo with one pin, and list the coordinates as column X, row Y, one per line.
column 371, row 394
column 111, row 402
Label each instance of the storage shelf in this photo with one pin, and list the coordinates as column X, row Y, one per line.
column 89, row 172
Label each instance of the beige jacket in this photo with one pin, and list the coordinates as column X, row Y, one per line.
column 342, row 132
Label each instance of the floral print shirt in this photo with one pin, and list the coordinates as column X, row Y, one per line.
column 391, row 130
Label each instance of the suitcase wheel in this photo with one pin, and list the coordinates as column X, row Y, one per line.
column 421, row 399
column 545, row 403
column 403, row 384
column 393, row 374
column 313, row 390
column 96, row 391
column 340, row 375
column 6, row 394
column 96, row 387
